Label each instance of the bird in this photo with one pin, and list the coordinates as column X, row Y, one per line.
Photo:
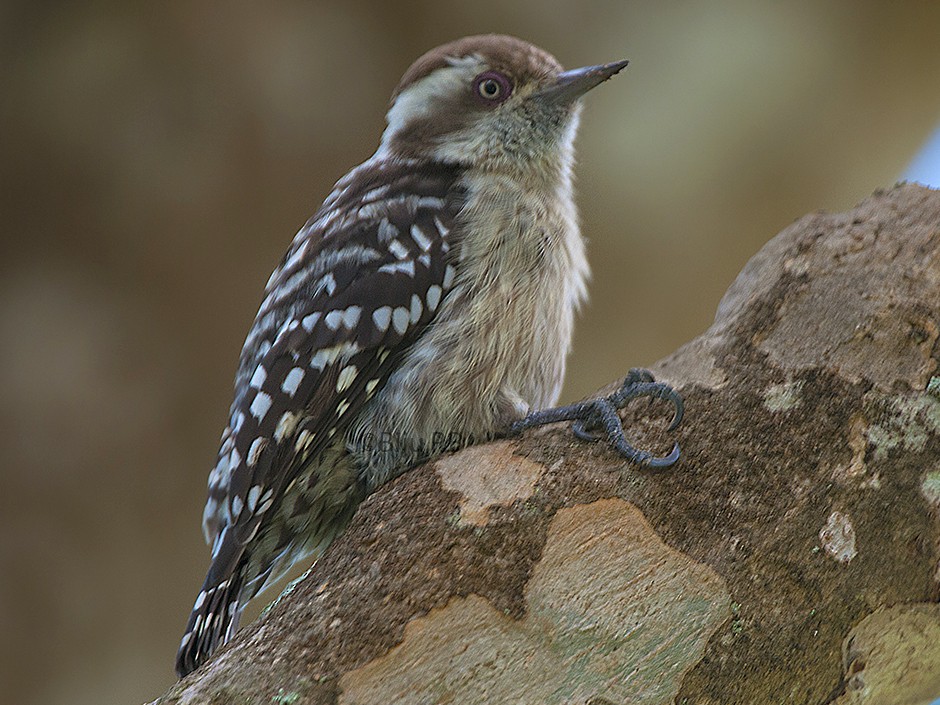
column 428, row 304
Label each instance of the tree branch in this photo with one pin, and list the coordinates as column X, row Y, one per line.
column 790, row 556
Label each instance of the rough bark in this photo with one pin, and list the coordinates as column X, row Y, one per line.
column 790, row 556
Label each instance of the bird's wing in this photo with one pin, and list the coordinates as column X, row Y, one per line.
column 358, row 285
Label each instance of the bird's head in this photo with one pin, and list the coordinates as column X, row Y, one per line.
column 492, row 101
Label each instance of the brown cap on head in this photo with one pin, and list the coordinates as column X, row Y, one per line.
column 514, row 57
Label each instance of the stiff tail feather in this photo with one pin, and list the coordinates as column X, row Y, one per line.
column 215, row 614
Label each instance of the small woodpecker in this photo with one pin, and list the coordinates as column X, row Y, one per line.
column 428, row 304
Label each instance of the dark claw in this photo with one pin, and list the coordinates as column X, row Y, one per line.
column 597, row 413
column 640, row 383
column 667, row 460
column 637, row 374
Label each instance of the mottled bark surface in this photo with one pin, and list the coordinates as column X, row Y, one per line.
column 790, row 556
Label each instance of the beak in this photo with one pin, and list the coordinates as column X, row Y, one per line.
column 571, row 85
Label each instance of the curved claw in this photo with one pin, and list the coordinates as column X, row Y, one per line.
column 643, row 457
column 638, row 374
column 654, row 390
column 666, row 460
column 647, row 459
column 678, row 410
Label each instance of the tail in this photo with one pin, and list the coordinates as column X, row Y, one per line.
column 215, row 614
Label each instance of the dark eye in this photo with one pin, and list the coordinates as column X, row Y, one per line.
column 492, row 87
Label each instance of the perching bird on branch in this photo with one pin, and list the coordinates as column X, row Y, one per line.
column 428, row 304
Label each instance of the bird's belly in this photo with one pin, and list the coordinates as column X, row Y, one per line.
column 497, row 346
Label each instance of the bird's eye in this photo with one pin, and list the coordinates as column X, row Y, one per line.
column 492, row 87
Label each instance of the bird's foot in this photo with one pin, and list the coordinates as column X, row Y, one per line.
column 602, row 414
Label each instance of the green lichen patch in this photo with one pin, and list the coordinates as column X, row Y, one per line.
column 933, row 387
column 285, row 697
column 838, row 537
column 908, row 424
column 783, row 397
column 930, row 488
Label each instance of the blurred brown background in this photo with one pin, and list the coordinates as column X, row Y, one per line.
column 157, row 158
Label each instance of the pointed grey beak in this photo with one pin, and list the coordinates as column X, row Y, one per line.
column 571, row 85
